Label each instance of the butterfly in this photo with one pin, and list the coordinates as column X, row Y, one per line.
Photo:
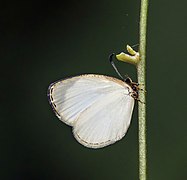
column 98, row 107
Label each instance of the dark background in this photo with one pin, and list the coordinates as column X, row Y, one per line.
column 42, row 42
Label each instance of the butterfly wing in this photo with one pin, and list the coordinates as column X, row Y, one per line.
column 106, row 121
column 98, row 107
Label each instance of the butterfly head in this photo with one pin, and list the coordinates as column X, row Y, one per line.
column 134, row 86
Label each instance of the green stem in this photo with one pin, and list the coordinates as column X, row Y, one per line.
column 141, row 68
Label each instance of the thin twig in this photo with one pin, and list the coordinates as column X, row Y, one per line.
column 141, row 70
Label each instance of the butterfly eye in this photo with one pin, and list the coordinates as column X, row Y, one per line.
column 134, row 88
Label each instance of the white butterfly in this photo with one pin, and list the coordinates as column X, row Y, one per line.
column 98, row 107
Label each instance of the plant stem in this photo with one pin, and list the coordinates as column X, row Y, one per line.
column 141, row 68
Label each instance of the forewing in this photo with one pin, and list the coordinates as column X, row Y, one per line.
column 72, row 96
column 106, row 121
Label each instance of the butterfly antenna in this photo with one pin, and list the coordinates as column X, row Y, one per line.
column 135, row 45
column 114, row 66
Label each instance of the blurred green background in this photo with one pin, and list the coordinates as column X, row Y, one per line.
column 42, row 42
